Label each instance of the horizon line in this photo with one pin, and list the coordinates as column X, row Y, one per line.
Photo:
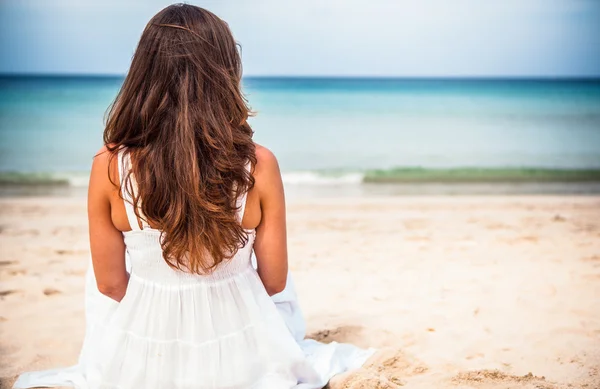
column 325, row 76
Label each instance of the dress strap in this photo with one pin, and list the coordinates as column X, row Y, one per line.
column 241, row 201
column 124, row 168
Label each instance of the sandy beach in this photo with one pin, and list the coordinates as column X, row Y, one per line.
column 455, row 291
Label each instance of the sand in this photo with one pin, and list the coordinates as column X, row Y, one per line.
column 456, row 292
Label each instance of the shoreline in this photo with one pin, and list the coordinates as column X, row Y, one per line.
column 361, row 190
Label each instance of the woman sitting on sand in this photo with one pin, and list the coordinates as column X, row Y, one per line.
column 184, row 194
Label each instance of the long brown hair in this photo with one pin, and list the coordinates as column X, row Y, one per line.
column 181, row 116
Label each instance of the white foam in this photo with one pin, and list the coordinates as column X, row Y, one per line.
column 76, row 180
column 314, row 178
column 299, row 178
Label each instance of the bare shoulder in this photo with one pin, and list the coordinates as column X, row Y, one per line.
column 103, row 164
column 266, row 162
column 266, row 172
column 102, row 156
column 265, row 159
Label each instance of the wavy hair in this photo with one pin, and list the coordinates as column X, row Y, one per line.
column 182, row 117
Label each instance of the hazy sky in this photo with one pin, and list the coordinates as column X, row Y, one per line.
column 322, row 37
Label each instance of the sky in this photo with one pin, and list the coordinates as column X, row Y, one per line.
column 386, row 38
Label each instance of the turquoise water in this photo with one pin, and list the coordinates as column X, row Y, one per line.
column 327, row 130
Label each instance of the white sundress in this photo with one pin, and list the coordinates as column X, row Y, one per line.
column 179, row 330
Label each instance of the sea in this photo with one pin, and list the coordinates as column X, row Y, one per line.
column 340, row 136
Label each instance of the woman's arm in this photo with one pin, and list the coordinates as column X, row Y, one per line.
column 106, row 242
column 270, row 245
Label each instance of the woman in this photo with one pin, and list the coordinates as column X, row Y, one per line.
column 181, row 192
